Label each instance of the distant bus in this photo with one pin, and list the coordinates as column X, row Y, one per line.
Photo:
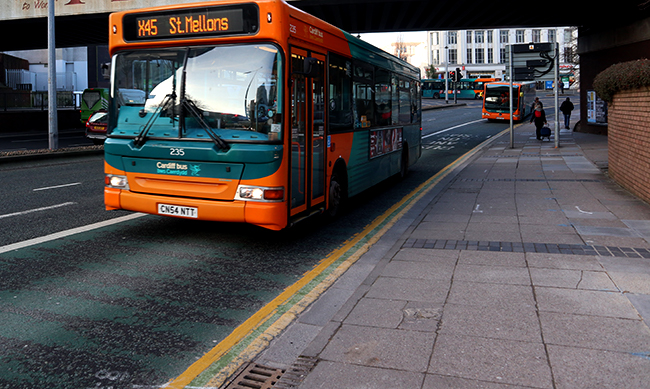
column 251, row 111
column 496, row 100
column 435, row 89
column 479, row 85
column 93, row 100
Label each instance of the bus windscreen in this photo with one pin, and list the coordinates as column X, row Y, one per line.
column 497, row 98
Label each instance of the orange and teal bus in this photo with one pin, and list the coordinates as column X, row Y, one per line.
column 253, row 112
column 479, row 86
column 496, row 100
column 466, row 88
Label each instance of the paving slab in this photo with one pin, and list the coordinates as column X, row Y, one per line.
column 494, row 323
column 492, row 360
column 492, row 274
column 435, row 381
column 328, row 375
column 585, row 302
column 380, row 347
column 572, row 279
column 595, row 332
column 581, row 368
column 392, row 288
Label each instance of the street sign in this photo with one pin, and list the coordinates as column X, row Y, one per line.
column 532, row 62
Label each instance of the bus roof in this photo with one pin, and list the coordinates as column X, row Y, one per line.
column 295, row 24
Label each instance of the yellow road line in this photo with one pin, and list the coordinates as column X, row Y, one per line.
column 261, row 316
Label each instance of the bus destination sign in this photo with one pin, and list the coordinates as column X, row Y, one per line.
column 190, row 23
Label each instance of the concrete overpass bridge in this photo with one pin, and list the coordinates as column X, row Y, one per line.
column 608, row 33
column 85, row 22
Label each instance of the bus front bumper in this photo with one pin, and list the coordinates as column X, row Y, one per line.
column 272, row 216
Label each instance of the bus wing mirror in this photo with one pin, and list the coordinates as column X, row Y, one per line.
column 310, row 67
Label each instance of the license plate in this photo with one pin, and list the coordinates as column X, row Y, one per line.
column 176, row 210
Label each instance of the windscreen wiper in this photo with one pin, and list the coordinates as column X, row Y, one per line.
column 192, row 108
column 139, row 140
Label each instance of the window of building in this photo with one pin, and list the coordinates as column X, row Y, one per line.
column 469, row 56
column 520, row 36
column 468, row 34
column 453, row 56
column 479, row 55
column 503, row 55
column 568, row 35
column 537, row 36
column 490, row 55
column 435, row 57
column 568, row 54
column 479, row 36
column 551, row 36
column 504, row 36
column 489, row 35
column 451, row 38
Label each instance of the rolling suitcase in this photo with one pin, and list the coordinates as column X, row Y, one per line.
column 545, row 132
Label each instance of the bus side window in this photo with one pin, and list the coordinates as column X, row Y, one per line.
column 363, row 96
column 383, row 98
column 340, row 93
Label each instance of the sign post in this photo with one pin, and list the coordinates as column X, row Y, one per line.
column 556, row 73
column 512, row 128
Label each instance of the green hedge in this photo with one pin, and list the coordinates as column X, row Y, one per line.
column 622, row 76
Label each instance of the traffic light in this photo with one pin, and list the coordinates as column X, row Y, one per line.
column 458, row 75
column 452, row 76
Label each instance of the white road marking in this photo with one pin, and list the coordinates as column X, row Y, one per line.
column 56, row 186
column 73, row 231
column 452, row 128
column 36, row 210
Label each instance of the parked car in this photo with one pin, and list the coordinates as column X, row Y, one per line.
column 96, row 127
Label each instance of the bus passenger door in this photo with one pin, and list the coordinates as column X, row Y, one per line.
column 307, row 132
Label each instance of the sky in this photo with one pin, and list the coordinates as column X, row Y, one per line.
column 384, row 39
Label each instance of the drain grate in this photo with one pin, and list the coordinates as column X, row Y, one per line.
column 297, row 372
column 256, row 376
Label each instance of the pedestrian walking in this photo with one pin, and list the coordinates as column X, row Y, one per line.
column 536, row 102
column 566, row 108
column 539, row 117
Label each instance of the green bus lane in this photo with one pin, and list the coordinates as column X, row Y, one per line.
column 136, row 303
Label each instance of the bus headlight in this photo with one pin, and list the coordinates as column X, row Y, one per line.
column 114, row 181
column 258, row 193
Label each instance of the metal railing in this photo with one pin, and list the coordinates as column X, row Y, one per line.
column 29, row 100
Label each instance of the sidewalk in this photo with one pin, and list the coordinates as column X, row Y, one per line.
column 525, row 268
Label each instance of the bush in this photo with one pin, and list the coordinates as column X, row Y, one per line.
column 622, row 76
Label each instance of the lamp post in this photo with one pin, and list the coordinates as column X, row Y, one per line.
column 53, row 132
column 447, row 75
